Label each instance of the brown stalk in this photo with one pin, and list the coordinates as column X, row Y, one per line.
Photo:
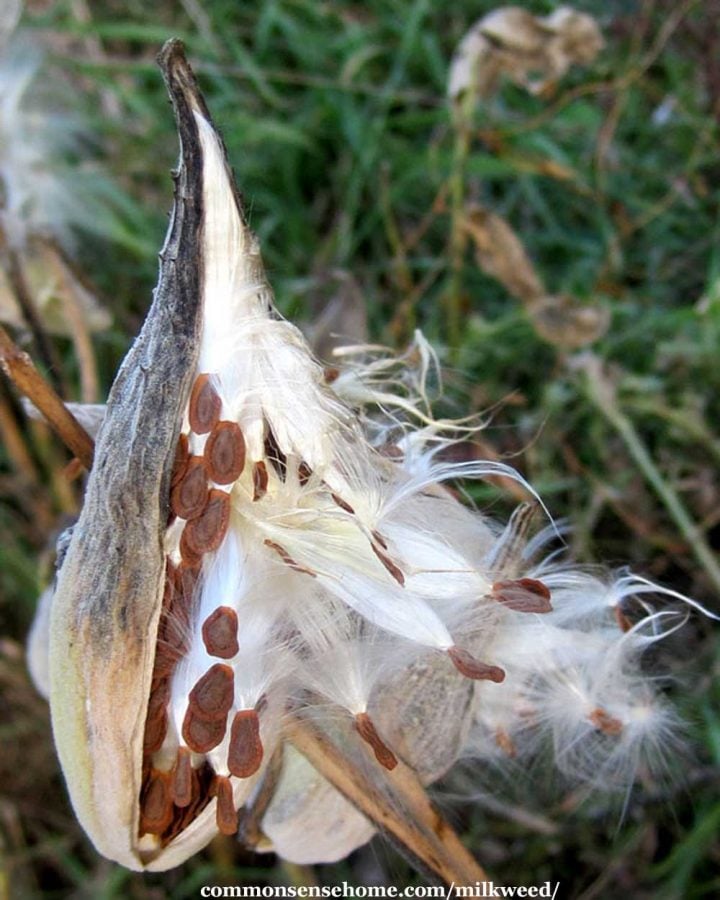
column 17, row 451
column 21, row 370
column 28, row 483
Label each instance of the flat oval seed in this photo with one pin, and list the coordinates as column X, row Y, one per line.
column 189, row 554
column 204, row 407
column 206, row 532
column 190, row 494
column 202, row 735
column 166, row 659
column 394, row 570
column 157, row 717
column 260, row 480
column 245, row 752
column 523, row 595
column 186, row 578
column 470, row 667
column 225, row 813
column 225, row 453
column 182, row 779
column 201, row 779
column 603, row 721
column 182, row 458
column 156, row 808
column 212, row 696
column 367, row 731
column 219, row 632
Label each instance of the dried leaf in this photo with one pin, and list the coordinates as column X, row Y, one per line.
column 501, row 253
column 561, row 321
column 532, row 51
column 558, row 319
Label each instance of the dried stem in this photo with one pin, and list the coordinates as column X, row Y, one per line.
column 20, row 369
column 17, row 451
column 396, row 802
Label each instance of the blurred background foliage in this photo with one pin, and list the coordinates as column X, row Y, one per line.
column 371, row 192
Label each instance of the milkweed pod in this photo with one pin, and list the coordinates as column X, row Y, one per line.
column 107, row 607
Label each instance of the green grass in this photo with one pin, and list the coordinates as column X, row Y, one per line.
column 338, row 128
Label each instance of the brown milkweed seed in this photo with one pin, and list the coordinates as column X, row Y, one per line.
column 260, row 480
column 287, row 559
column 523, row 595
column 343, row 504
column 277, row 458
column 181, row 784
column 624, row 624
column 205, row 404
column 157, row 717
column 394, row 570
column 225, row 813
column 190, row 494
column 367, row 731
column 212, row 696
column 470, row 667
column 206, row 532
column 219, row 632
column 225, row 453
column 156, row 807
column 182, row 458
column 603, row 721
column 202, row 735
column 246, row 750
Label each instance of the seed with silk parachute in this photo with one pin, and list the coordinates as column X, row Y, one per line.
column 256, row 535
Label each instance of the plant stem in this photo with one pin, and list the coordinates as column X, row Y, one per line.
column 20, row 369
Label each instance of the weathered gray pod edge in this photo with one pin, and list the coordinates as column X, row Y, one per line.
column 105, row 614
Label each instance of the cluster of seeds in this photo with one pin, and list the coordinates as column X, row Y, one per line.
column 176, row 790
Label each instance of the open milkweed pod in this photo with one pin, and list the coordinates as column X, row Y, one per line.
column 260, row 548
column 116, row 581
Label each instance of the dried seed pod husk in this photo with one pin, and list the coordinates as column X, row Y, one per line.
column 308, row 821
column 107, row 606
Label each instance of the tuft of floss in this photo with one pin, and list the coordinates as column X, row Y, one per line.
column 315, row 557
